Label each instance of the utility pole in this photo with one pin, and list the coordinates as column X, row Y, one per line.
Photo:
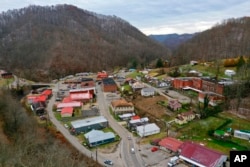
column 96, row 155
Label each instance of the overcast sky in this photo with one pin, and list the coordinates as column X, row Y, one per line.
column 154, row 16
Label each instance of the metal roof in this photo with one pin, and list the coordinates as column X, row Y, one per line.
column 88, row 122
column 98, row 135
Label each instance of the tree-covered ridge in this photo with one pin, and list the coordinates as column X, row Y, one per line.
column 229, row 39
column 58, row 40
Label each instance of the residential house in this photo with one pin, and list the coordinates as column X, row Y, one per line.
column 109, row 85
column 137, row 86
column 174, row 104
column 201, row 156
column 243, row 134
column 170, row 144
column 184, row 117
column 147, row 129
column 148, row 92
column 121, row 106
column 85, row 125
column 193, row 62
column 97, row 137
column 6, row 75
column 214, row 98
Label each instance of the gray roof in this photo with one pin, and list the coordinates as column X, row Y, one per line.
column 148, row 90
column 89, row 121
column 147, row 128
column 98, row 135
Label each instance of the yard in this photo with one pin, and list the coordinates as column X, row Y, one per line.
column 201, row 130
column 149, row 107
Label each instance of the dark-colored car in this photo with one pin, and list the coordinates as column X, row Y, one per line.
column 108, row 162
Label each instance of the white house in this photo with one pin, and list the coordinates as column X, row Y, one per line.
column 147, row 130
column 230, row 72
column 243, row 134
column 148, row 92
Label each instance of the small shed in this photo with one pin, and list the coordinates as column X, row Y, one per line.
column 147, row 130
column 97, row 137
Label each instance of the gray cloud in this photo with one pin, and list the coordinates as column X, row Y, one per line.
column 155, row 17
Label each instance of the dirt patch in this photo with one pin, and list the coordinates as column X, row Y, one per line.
column 147, row 106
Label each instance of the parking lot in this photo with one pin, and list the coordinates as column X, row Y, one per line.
column 157, row 158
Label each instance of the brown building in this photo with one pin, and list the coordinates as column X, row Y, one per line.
column 109, row 85
column 212, row 86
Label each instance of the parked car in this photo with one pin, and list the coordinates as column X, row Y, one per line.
column 108, row 162
column 153, row 149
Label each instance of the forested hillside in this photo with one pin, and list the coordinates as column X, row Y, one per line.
column 23, row 142
column 41, row 42
column 229, row 39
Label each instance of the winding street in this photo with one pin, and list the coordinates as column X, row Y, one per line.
column 127, row 159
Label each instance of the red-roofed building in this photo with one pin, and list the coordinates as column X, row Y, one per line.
column 47, row 92
column 170, row 143
column 74, row 104
column 135, row 117
column 83, row 97
column 67, row 112
column 201, row 156
column 101, row 75
column 66, row 99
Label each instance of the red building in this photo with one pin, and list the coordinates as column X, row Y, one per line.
column 109, row 85
column 101, row 75
column 198, row 83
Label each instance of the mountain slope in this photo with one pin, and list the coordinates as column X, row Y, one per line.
column 44, row 42
column 172, row 41
column 228, row 39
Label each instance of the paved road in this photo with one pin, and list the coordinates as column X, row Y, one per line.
column 72, row 139
column 129, row 159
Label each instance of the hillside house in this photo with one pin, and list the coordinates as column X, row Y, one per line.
column 137, row 86
column 184, row 117
column 174, row 104
column 243, row 134
column 121, row 106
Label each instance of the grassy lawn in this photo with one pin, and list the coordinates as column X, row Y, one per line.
column 199, row 131
column 208, row 71
column 134, row 74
